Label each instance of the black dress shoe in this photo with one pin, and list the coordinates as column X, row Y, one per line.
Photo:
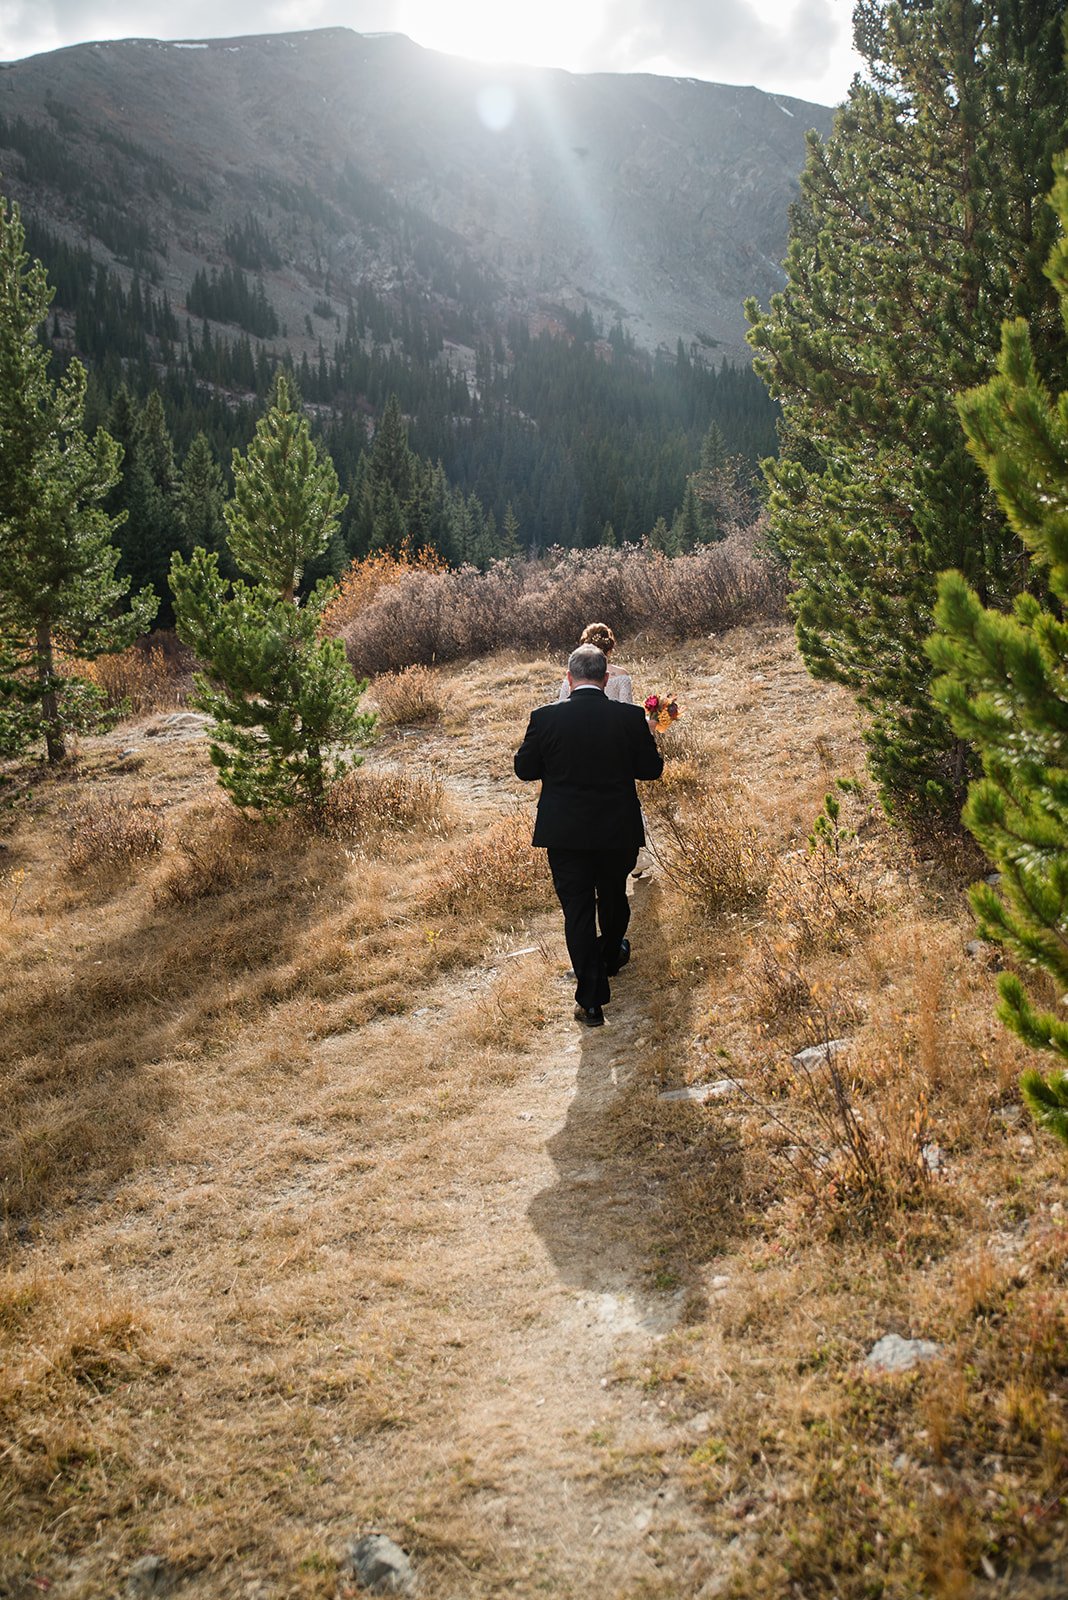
column 622, row 959
column 592, row 1016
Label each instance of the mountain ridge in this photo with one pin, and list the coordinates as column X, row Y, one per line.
column 655, row 202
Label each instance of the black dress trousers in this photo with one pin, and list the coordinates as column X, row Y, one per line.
column 591, row 886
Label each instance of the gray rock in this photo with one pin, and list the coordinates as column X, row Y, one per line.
column 979, row 950
column 700, row 1092
column 892, row 1353
column 149, row 1575
column 380, row 1565
column 934, row 1157
column 817, row 1053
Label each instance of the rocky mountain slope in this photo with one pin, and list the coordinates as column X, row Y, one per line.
column 322, row 160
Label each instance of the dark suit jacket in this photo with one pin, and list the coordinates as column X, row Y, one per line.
column 587, row 751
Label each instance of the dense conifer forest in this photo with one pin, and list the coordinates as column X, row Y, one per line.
column 569, row 435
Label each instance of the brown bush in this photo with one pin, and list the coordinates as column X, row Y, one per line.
column 823, row 891
column 855, row 1133
column 781, row 991
column 367, row 575
column 500, row 870
column 413, row 695
column 365, row 804
column 146, row 677
column 111, row 832
column 709, row 847
column 428, row 615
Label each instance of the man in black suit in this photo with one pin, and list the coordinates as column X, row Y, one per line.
column 587, row 751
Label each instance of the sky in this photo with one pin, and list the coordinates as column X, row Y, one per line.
column 797, row 47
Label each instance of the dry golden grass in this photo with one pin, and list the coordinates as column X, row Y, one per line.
column 499, row 871
column 407, row 697
column 321, row 1215
column 112, row 832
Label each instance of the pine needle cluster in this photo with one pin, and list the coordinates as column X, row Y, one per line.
column 1003, row 685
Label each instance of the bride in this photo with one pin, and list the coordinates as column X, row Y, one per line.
column 618, row 686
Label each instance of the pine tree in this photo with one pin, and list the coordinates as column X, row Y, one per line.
column 1004, row 687
column 509, row 539
column 286, row 505
column 284, row 701
column 920, row 226
column 717, row 487
column 200, row 499
column 58, row 588
column 148, row 495
column 686, row 530
column 663, row 539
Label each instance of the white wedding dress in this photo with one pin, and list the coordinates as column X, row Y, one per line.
column 618, row 687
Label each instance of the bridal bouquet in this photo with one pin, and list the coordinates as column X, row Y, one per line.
column 662, row 710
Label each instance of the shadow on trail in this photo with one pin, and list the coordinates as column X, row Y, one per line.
column 645, row 1189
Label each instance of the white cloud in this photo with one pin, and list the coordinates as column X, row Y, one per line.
column 789, row 46
column 802, row 48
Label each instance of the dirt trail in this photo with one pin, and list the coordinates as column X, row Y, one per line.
column 546, row 1258
column 405, row 1287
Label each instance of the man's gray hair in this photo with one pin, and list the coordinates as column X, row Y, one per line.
column 587, row 664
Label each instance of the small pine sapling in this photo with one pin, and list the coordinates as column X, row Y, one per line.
column 284, row 702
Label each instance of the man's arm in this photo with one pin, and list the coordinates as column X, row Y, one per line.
column 528, row 758
column 648, row 762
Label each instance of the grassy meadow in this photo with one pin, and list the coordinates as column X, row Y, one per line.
column 321, row 1215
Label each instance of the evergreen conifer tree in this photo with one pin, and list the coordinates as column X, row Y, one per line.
column 284, row 701
column 687, row 528
column 58, row 588
column 663, row 539
column 286, row 504
column 921, row 224
column 201, row 496
column 1004, row 687
column 509, row 539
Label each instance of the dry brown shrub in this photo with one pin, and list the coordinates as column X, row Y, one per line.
column 709, row 847
column 146, row 677
column 413, row 695
column 367, row 575
column 425, row 614
column 781, row 990
column 499, row 871
column 366, row 804
column 110, row 831
column 852, row 1130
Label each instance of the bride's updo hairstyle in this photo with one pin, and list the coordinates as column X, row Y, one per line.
column 599, row 634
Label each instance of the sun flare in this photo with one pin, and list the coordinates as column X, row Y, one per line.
column 484, row 30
